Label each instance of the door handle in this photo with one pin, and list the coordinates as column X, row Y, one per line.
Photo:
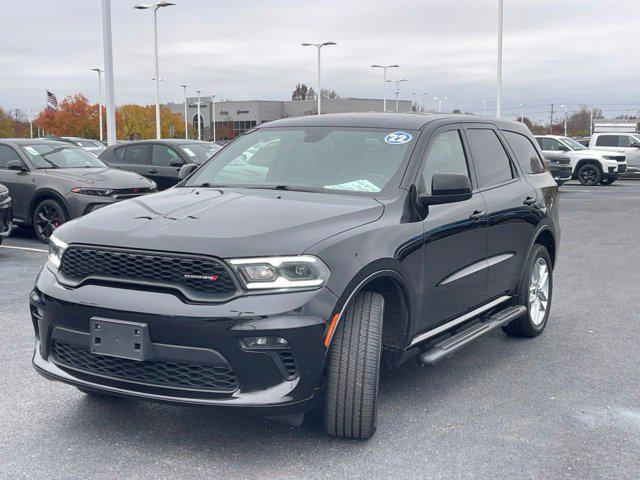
column 477, row 215
column 530, row 200
column 152, row 170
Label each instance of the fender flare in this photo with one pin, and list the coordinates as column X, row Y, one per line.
column 45, row 192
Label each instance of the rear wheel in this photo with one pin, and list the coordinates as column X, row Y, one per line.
column 48, row 215
column 354, row 369
column 535, row 292
column 589, row 174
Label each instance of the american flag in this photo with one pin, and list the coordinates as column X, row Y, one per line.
column 52, row 101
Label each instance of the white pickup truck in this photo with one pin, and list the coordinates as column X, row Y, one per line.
column 590, row 167
column 627, row 144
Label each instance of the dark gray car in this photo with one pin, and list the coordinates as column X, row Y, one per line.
column 159, row 160
column 51, row 182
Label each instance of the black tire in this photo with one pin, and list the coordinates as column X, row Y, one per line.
column 48, row 215
column 525, row 326
column 589, row 174
column 354, row 369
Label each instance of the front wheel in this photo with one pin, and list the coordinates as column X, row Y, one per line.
column 589, row 175
column 354, row 369
column 48, row 215
column 535, row 292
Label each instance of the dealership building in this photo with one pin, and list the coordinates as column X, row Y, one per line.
column 234, row 117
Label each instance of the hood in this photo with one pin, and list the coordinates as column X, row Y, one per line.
column 223, row 222
column 101, row 177
column 597, row 153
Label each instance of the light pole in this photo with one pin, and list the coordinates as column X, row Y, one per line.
column 155, row 7
column 484, row 107
column 213, row 114
column 439, row 100
column 186, row 122
column 566, row 110
column 499, row 79
column 384, row 69
column 318, row 47
column 591, row 123
column 397, row 92
column 99, row 70
column 107, row 53
column 419, row 95
column 198, row 116
column 522, row 105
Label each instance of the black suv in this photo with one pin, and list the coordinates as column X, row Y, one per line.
column 308, row 250
column 159, row 160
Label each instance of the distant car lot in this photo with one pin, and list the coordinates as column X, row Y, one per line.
column 563, row 405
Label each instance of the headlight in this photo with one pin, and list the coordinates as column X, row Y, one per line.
column 4, row 195
column 96, row 192
column 56, row 249
column 297, row 272
column 608, row 157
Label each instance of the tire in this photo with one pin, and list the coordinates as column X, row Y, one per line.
column 48, row 215
column 531, row 325
column 354, row 369
column 589, row 174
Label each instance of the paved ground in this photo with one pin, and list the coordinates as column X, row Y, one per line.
column 564, row 405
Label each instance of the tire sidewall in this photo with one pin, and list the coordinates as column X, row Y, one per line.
column 598, row 174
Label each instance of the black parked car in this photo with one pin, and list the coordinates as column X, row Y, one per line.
column 6, row 213
column 52, row 182
column 559, row 166
column 259, row 284
column 159, row 160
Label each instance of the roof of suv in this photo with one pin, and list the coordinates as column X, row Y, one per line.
column 410, row 121
column 168, row 141
column 33, row 141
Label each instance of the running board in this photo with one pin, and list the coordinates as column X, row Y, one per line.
column 451, row 345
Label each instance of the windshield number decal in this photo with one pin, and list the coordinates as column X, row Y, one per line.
column 398, row 138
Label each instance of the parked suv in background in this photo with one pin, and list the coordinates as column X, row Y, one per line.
column 590, row 167
column 627, row 144
column 52, row 182
column 356, row 234
column 6, row 213
column 159, row 160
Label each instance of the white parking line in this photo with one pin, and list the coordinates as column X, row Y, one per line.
column 25, row 248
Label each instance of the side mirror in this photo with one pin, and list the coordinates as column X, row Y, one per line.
column 564, row 148
column 176, row 162
column 187, row 170
column 447, row 188
column 16, row 165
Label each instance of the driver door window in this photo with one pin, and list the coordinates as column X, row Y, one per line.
column 162, row 156
column 446, row 155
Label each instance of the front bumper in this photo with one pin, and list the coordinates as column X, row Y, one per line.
column 79, row 204
column 6, row 218
column 560, row 173
column 186, row 335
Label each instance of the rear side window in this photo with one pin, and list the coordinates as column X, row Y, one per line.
column 526, row 154
column 136, row 154
column 492, row 162
column 446, row 155
column 6, row 155
column 118, row 154
column 608, row 141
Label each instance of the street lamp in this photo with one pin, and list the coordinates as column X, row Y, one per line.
column 213, row 114
column 155, row 7
column 186, row 122
column 419, row 95
column 397, row 92
column 484, row 107
column 439, row 100
column 522, row 105
column 384, row 69
column 198, row 117
column 99, row 71
column 499, row 76
column 107, row 55
column 318, row 47
column 566, row 110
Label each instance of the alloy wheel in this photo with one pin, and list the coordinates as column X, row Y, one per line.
column 48, row 217
column 539, row 292
column 588, row 175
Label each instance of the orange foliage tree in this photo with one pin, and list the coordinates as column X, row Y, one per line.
column 75, row 117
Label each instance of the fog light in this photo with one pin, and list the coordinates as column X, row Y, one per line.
column 256, row 343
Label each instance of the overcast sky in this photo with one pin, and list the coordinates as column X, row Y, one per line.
column 561, row 51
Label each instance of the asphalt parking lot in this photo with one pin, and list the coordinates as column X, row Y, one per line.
column 563, row 405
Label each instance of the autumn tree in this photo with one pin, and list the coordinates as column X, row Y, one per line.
column 139, row 122
column 13, row 123
column 75, row 117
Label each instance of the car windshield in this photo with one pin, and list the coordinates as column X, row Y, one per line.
column 90, row 144
column 60, row 156
column 200, row 152
column 329, row 159
column 572, row 144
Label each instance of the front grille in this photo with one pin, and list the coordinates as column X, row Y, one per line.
column 198, row 278
column 124, row 193
column 288, row 362
column 622, row 168
column 618, row 158
column 159, row 373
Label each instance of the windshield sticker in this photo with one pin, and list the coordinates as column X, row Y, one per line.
column 356, row 186
column 189, row 151
column 398, row 138
column 31, row 150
